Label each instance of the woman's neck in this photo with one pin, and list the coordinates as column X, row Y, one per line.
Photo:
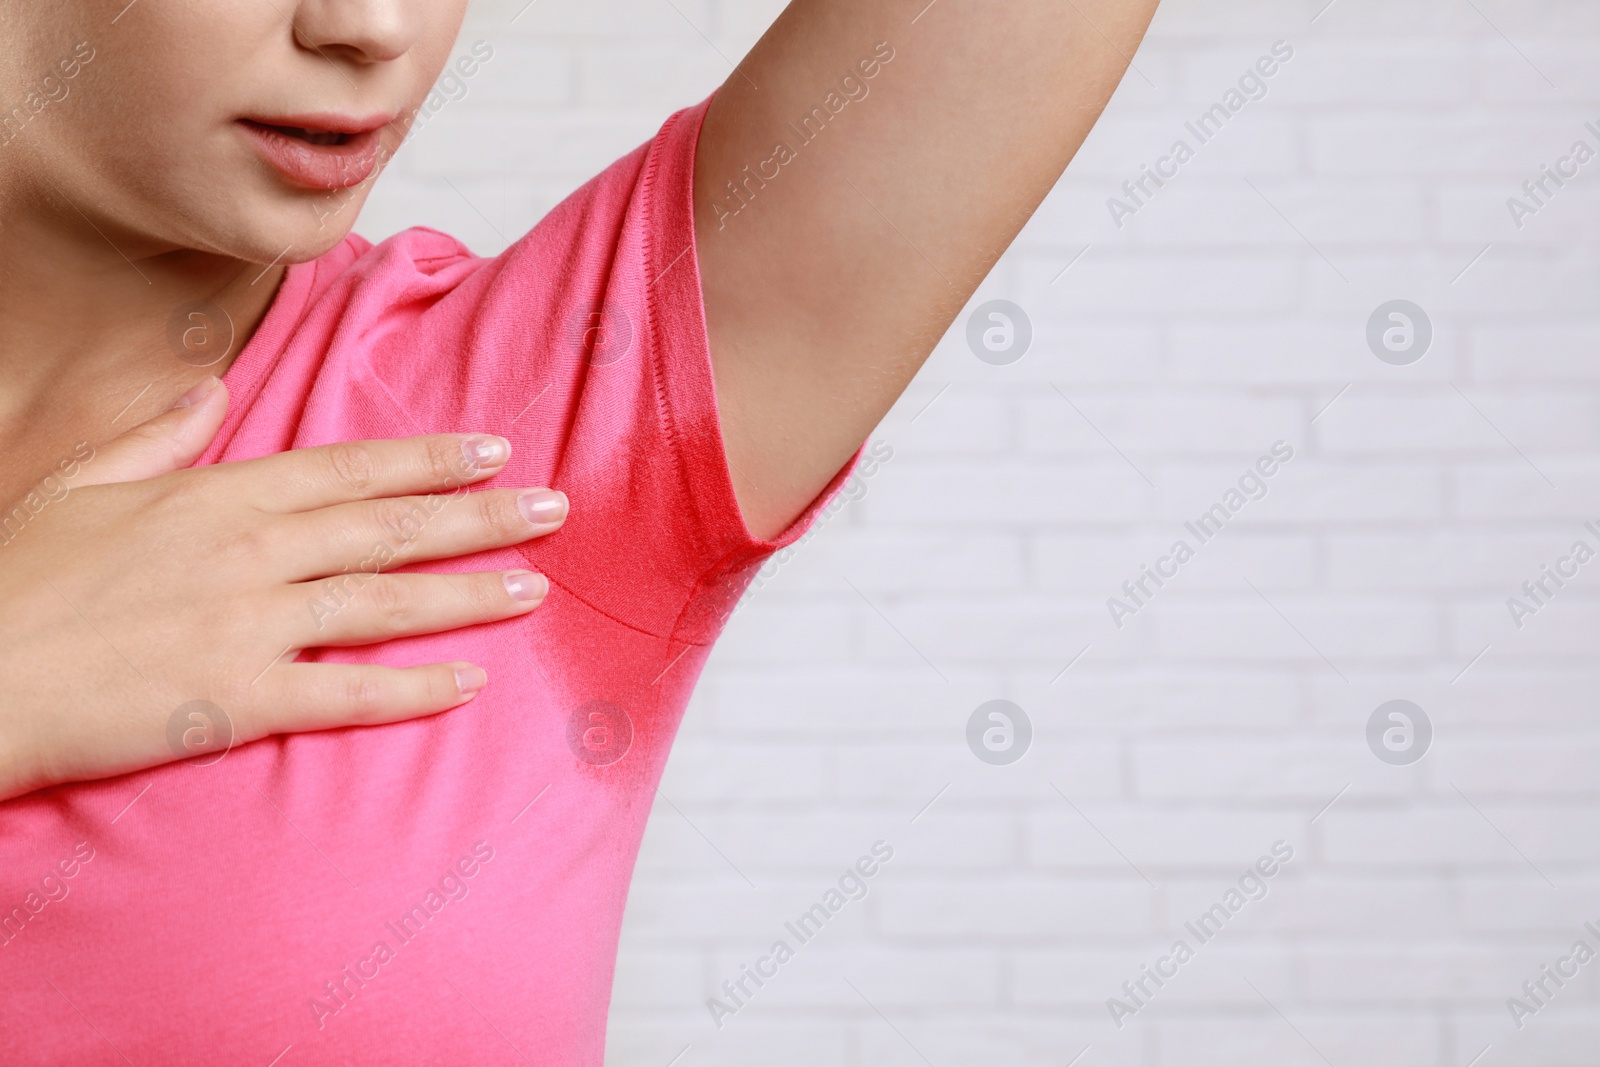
column 95, row 339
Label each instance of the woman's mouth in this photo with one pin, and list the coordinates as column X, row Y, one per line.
column 309, row 135
column 327, row 154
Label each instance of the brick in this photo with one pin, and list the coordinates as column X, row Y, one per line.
column 1554, row 764
column 620, row 75
column 770, row 630
column 1292, row 770
column 1378, row 1039
column 1537, row 352
column 1016, row 908
column 1323, row 631
column 708, row 772
column 965, row 561
column 1495, row 836
column 1019, row 1040
column 1100, row 564
column 1478, row 143
column 1182, row 838
column 839, row 703
column 916, row 772
column 1194, row 423
column 1448, row 421
column 1440, row 558
column 1397, row 906
column 1087, row 978
column 1141, row 700
column 1012, row 493
column 1272, row 350
column 900, row 977
column 520, row 73
column 1169, row 285
column 1376, row 976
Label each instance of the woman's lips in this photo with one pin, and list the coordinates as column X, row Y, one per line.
column 349, row 162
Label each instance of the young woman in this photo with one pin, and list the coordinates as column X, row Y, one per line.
column 354, row 525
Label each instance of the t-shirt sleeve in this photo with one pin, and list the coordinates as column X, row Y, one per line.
column 585, row 345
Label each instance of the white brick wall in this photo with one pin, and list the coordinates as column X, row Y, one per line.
column 1179, row 748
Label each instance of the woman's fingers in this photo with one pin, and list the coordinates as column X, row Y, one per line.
column 310, row 478
column 296, row 697
column 212, row 562
column 381, row 535
column 363, row 609
column 169, row 442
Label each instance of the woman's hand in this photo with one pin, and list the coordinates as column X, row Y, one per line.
column 142, row 586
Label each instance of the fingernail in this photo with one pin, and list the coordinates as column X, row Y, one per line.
column 526, row 585
column 542, row 506
column 197, row 393
column 470, row 679
column 485, row 452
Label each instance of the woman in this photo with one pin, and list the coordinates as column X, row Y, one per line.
column 686, row 353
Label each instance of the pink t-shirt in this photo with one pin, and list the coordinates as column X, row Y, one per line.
column 448, row 890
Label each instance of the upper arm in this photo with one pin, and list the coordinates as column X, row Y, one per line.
column 856, row 178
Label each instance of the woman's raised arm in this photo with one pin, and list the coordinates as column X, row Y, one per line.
column 858, row 174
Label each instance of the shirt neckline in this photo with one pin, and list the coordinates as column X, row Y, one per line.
column 246, row 375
